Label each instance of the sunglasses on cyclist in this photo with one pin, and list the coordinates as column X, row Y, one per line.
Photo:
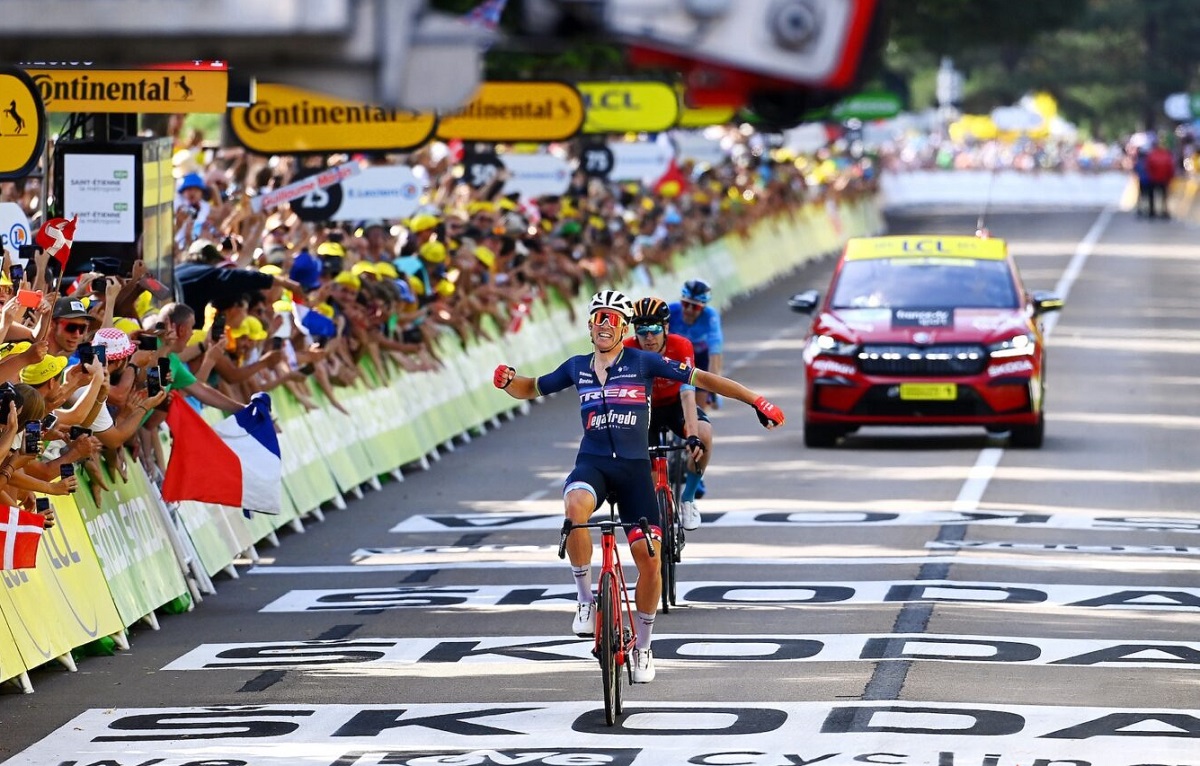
column 649, row 329
column 692, row 305
column 605, row 317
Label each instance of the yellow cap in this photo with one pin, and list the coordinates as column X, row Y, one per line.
column 250, row 327
column 420, row 223
column 271, row 269
column 348, row 279
column 364, row 267
column 325, row 310
column 386, row 270
column 127, row 325
column 37, row 374
column 444, row 288
column 485, row 256
column 8, row 349
column 4, row 279
column 283, row 305
column 417, row 284
column 331, row 248
column 197, row 337
column 480, row 206
column 144, row 304
column 506, row 204
column 434, row 252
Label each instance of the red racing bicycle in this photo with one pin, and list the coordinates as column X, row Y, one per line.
column 667, row 461
column 616, row 631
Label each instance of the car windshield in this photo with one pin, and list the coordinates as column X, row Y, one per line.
column 901, row 283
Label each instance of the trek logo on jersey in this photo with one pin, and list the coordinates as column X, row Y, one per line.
column 619, row 394
column 606, row 419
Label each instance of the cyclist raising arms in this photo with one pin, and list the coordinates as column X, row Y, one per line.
column 673, row 404
column 613, row 458
column 700, row 323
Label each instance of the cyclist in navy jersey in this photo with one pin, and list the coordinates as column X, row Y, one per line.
column 614, row 384
column 700, row 323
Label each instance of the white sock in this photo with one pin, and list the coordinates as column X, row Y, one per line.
column 645, row 626
column 583, row 583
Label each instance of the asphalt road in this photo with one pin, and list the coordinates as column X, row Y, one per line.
column 911, row 597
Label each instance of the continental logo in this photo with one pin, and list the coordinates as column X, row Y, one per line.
column 264, row 117
column 132, row 91
column 516, row 111
column 288, row 120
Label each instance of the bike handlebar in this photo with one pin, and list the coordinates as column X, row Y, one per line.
column 568, row 527
column 657, row 450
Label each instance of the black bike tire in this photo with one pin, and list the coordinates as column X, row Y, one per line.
column 666, row 549
column 606, row 623
column 677, row 471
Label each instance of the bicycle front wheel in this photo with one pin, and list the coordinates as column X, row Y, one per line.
column 608, row 623
column 666, row 551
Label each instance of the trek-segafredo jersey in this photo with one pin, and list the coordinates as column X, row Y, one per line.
column 616, row 418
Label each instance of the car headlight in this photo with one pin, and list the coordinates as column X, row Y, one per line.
column 831, row 346
column 1018, row 345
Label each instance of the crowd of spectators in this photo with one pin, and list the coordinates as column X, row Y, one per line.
column 263, row 300
column 930, row 152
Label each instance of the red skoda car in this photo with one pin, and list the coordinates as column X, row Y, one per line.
column 925, row 330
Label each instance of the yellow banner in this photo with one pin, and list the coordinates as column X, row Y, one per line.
column 288, row 120
column 629, row 107
column 11, row 664
column 706, row 116
column 516, row 111
column 64, row 602
column 140, row 91
column 22, row 124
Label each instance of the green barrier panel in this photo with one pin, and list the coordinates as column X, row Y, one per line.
column 334, row 434
column 132, row 545
column 217, row 539
column 306, row 478
column 381, row 451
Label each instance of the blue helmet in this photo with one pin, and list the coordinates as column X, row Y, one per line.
column 696, row 290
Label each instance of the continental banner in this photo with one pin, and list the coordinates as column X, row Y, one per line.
column 502, row 112
column 629, row 107
column 132, row 545
column 137, row 91
column 290, row 120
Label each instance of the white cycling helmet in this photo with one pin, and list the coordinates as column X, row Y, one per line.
column 612, row 300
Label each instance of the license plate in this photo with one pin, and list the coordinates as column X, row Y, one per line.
column 929, row 392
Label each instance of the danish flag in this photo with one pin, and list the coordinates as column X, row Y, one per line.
column 20, row 534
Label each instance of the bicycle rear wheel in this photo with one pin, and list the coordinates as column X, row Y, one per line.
column 666, row 551
column 610, row 638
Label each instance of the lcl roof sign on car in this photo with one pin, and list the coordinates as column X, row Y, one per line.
column 925, row 330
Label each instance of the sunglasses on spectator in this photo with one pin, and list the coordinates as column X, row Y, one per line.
column 649, row 329
column 75, row 327
column 693, row 305
column 606, row 318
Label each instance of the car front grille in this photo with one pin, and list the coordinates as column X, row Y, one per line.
column 903, row 360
